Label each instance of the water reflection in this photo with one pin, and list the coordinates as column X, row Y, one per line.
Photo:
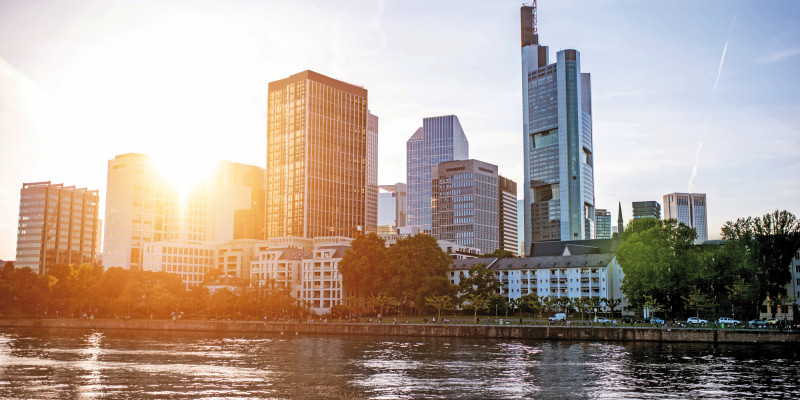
column 103, row 364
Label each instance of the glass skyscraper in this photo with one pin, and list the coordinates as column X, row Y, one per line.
column 689, row 209
column 646, row 209
column 557, row 129
column 602, row 224
column 440, row 139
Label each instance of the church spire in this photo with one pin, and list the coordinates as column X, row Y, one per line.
column 620, row 221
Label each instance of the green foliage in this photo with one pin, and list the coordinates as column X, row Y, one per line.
column 531, row 303
column 479, row 281
column 363, row 266
column 499, row 253
column 657, row 257
column 441, row 302
column 768, row 244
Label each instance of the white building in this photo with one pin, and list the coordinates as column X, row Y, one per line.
column 191, row 261
column 279, row 262
column 235, row 258
column 321, row 280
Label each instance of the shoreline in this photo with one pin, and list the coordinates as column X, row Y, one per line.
column 582, row 333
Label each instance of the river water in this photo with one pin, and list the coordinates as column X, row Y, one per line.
column 89, row 364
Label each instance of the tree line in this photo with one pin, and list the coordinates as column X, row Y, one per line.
column 73, row 291
column 665, row 271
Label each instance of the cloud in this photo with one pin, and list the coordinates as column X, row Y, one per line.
column 779, row 55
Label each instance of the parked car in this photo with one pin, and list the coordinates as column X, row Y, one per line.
column 772, row 322
column 627, row 320
column 728, row 320
column 696, row 321
column 655, row 320
column 603, row 321
column 558, row 317
column 758, row 323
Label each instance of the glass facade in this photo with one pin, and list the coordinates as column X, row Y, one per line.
column 317, row 158
column 689, row 209
column 602, row 224
column 646, row 209
column 439, row 140
column 558, row 190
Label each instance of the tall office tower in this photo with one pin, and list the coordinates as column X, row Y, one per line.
column 391, row 207
column 371, row 201
column 507, row 218
column 440, row 139
column 557, row 129
column 689, row 209
column 236, row 202
column 317, row 157
column 521, row 227
column 646, row 209
column 465, row 204
column 602, row 224
column 57, row 224
column 143, row 206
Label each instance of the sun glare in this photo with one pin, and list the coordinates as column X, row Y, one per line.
column 184, row 173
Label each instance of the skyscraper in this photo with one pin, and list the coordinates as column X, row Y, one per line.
column 143, row 206
column 602, row 224
column 371, row 201
column 557, row 137
column 507, row 208
column 439, row 139
column 318, row 158
column 392, row 201
column 236, row 201
column 57, row 224
column 465, row 204
column 689, row 209
column 646, row 209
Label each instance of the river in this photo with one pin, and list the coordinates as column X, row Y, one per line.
column 92, row 364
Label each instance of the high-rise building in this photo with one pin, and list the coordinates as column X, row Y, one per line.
column 236, row 199
column 317, row 157
column 465, row 204
column 440, row 139
column 142, row 206
column 646, row 209
column 557, row 137
column 507, row 207
column 689, row 209
column 371, row 201
column 521, row 227
column 602, row 224
column 392, row 201
column 57, row 224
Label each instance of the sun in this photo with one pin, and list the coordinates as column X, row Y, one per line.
column 184, row 173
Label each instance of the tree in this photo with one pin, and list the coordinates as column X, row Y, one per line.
column 593, row 303
column 478, row 287
column 657, row 257
column 696, row 300
column 564, row 304
column 475, row 302
column 499, row 253
column 363, row 266
column 440, row 303
column 416, row 268
column 611, row 304
column 530, row 303
column 771, row 242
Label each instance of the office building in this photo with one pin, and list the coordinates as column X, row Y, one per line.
column 236, row 199
column 465, row 204
column 371, row 201
column 689, row 209
column 317, row 157
column 392, row 203
column 602, row 224
column 440, row 139
column 189, row 261
column 57, row 225
column 521, row 227
column 646, row 209
column 507, row 208
column 557, row 138
column 142, row 206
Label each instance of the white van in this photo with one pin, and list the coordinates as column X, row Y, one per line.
column 558, row 317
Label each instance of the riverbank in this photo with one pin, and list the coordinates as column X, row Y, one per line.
column 586, row 333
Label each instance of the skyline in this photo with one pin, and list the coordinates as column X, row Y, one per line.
column 722, row 75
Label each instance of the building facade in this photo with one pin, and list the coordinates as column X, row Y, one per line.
column 465, row 204
column 57, row 224
column 321, row 280
column 371, row 201
column 507, row 207
column 646, row 209
column 392, row 203
column 237, row 202
column 440, row 139
column 190, row 261
column 142, row 206
column 689, row 209
column 317, row 157
column 557, row 137
column 602, row 224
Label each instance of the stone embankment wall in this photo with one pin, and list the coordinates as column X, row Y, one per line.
column 428, row 330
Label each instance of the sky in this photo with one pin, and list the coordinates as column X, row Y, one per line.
column 687, row 95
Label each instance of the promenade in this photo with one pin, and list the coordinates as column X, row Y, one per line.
column 585, row 333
